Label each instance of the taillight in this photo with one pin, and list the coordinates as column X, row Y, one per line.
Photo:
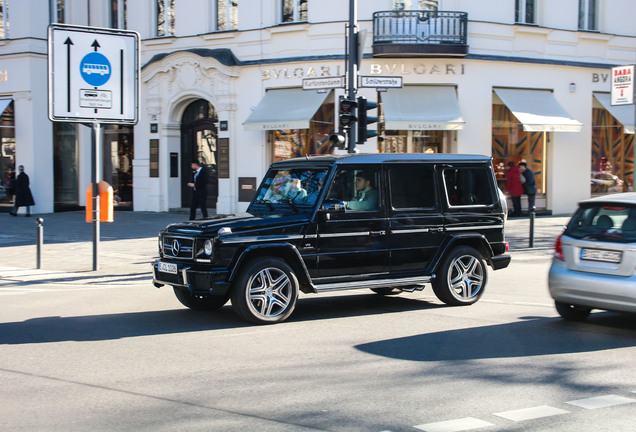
column 507, row 246
column 558, row 249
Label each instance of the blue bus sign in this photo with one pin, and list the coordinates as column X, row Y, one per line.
column 95, row 69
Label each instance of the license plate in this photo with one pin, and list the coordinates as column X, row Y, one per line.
column 601, row 255
column 167, row 267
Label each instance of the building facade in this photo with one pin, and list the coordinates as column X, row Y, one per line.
column 221, row 81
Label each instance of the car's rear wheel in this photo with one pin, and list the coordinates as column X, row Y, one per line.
column 572, row 312
column 199, row 302
column 462, row 277
column 265, row 292
column 385, row 291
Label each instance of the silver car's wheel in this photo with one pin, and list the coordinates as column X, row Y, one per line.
column 571, row 312
column 265, row 291
column 462, row 277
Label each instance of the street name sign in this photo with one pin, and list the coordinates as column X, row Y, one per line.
column 380, row 81
column 93, row 75
column 323, row 83
column 622, row 85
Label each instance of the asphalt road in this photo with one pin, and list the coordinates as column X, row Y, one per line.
column 105, row 351
column 102, row 351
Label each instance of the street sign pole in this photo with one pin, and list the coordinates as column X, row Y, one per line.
column 95, row 141
column 352, row 66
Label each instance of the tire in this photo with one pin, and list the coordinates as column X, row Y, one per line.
column 265, row 291
column 571, row 312
column 386, row 291
column 199, row 302
column 462, row 277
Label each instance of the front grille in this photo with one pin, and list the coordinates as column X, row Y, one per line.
column 178, row 247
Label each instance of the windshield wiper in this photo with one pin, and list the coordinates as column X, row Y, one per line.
column 291, row 204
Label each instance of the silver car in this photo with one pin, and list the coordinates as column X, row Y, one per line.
column 594, row 264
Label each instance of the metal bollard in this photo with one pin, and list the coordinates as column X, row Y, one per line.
column 532, row 212
column 40, row 241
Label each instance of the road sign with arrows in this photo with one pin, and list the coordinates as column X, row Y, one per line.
column 93, row 75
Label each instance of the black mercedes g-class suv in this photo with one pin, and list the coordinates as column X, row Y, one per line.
column 388, row 222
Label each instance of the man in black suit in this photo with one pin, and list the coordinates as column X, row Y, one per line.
column 199, row 190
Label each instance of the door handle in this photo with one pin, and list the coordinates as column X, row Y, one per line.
column 377, row 233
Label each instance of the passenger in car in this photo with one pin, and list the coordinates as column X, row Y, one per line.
column 366, row 195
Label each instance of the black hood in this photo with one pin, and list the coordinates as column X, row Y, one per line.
column 238, row 223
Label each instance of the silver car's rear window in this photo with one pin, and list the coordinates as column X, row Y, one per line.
column 609, row 223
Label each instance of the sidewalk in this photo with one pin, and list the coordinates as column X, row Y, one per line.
column 128, row 245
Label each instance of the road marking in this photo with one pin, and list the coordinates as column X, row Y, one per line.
column 463, row 424
column 531, row 413
column 601, row 401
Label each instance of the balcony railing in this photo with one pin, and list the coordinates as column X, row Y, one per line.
column 420, row 33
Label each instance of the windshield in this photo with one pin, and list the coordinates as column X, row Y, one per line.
column 609, row 223
column 291, row 189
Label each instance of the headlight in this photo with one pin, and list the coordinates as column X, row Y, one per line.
column 159, row 243
column 207, row 247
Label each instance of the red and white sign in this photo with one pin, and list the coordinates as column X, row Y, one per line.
column 623, row 85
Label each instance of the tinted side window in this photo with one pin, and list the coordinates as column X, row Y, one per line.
column 357, row 188
column 468, row 186
column 412, row 186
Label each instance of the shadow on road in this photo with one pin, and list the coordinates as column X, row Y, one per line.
column 532, row 337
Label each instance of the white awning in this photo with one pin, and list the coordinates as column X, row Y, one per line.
column 421, row 108
column 623, row 113
column 538, row 110
column 4, row 103
column 285, row 109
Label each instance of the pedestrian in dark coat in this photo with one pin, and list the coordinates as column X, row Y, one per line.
column 23, row 196
column 514, row 187
column 529, row 184
column 199, row 190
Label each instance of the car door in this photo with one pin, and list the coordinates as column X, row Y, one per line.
column 416, row 225
column 352, row 242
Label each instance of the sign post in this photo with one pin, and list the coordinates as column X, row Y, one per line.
column 93, row 78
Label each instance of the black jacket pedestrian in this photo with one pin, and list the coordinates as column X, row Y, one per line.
column 23, row 196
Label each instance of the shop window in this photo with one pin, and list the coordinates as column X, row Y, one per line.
column 226, row 15
column 525, row 12
column 292, row 143
column 118, row 14
column 4, row 19
column 588, row 15
column 510, row 143
column 118, row 153
column 165, row 17
column 293, row 10
column 65, row 166
column 57, row 10
column 612, row 155
column 7, row 156
column 403, row 141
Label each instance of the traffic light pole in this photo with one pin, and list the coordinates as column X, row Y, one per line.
column 352, row 67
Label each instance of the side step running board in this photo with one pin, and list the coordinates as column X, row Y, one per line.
column 376, row 283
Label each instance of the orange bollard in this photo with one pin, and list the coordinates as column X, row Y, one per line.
column 105, row 202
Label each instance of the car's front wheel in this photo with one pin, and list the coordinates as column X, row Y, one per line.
column 199, row 302
column 462, row 277
column 265, row 292
column 572, row 312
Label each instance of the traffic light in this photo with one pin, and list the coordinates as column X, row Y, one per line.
column 364, row 120
column 347, row 112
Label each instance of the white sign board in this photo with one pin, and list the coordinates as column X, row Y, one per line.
column 380, row 81
column 323, row 83
column 623, row 85
column 93, row 75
